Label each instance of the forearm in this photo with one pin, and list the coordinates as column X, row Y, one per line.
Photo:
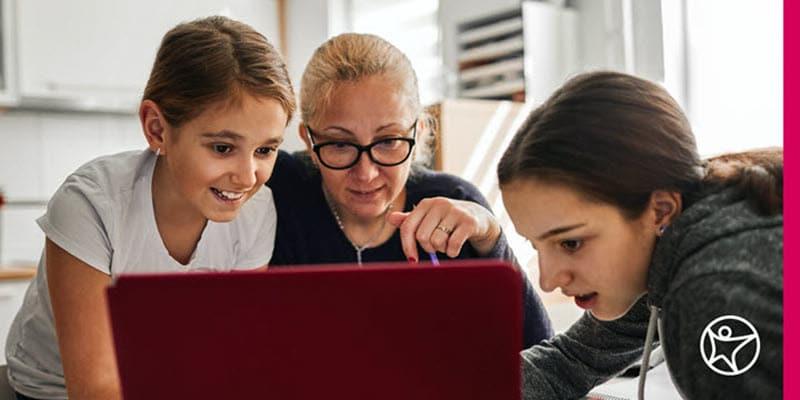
column 109, row 390
column 589, row 353
column 77, row 295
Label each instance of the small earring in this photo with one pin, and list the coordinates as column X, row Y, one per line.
column 662, row 229
column 158, row 152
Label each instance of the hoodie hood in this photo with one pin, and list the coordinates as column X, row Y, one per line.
column 719, row 213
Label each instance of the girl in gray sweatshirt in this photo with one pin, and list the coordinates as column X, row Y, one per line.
column 660, row 247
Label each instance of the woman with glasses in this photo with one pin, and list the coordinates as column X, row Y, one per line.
column 354, row 196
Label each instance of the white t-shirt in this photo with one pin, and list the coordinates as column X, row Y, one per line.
column 103, row 215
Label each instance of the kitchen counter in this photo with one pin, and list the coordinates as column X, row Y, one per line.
column 17, row 273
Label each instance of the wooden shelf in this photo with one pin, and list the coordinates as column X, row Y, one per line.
column 488, row 32
column 492, row 50
column 512, row 65
column 490, row 58
column 495, row 90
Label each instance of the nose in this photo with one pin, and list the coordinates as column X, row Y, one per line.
column 365, row 169
column 552, row 275
column 245, row 173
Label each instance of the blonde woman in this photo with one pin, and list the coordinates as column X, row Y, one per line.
column 355, row 195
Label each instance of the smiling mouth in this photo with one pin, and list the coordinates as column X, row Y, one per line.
column 365, row 192
column 227, row 196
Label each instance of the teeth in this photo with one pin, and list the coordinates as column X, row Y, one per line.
column 233, row 195
column 229, row 195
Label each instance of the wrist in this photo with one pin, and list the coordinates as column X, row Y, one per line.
column 484, row 244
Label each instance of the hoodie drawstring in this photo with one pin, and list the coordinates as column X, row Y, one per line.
column 648, row 348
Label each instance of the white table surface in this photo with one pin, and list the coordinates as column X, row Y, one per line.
column 658, row 387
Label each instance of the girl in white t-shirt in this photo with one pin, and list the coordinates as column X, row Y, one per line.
column 213, row 113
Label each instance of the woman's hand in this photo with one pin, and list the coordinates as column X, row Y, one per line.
column 444, row 225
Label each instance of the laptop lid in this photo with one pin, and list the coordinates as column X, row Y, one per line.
column 388, row 331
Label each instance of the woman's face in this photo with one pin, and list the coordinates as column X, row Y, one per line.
column 221, row 158
column 363, row 112
column 588, row 249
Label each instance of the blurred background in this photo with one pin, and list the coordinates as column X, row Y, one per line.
column 72, row 74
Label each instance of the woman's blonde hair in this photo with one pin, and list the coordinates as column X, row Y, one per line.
column 350, row 57
column 212, row 59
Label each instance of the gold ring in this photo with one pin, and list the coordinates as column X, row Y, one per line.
column 443, row 229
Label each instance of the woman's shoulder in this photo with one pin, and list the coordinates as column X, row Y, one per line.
column 424, row 183
column 291, row 171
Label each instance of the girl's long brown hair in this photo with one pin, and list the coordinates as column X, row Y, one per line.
column 618, row 138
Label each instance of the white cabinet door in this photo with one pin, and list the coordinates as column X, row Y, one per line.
column 8, row 77
column 11, row 295
column 99, row 52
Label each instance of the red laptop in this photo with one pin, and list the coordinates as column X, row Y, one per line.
column 384, row 331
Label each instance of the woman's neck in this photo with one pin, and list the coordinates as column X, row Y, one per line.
column 370, row 231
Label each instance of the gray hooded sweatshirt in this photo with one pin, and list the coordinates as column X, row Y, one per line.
column 720, row 258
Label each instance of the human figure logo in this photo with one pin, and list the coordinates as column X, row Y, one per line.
column 730, row 345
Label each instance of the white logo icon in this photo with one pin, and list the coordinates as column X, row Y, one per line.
column 727, row 343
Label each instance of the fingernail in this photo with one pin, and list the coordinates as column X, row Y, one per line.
column 412, row 260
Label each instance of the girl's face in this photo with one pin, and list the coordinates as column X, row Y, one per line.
column 220, row 159
column 363, row 112
column 588, row 249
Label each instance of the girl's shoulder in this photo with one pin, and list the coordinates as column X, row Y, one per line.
column 115, row 172
column 86, row 214
column 424, row 183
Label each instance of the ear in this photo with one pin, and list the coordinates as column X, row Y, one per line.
column 154, row 125
column 420, row 135
column 664, row 208
column 302, row 131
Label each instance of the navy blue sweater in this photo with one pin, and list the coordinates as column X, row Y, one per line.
column 307, row 232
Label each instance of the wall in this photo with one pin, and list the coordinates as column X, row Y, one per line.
column 602, row 36
column 39, row 150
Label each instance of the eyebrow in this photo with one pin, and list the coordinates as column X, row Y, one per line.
column 348, row 132
column 559, row 230
column 238, row 137
column 223, row 135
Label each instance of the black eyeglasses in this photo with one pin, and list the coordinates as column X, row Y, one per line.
column 385, row 152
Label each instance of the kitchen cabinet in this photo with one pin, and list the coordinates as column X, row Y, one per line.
column 13, row 284
column 8, row 77
column 96, row 55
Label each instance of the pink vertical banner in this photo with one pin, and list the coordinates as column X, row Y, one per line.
column 791, row 121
